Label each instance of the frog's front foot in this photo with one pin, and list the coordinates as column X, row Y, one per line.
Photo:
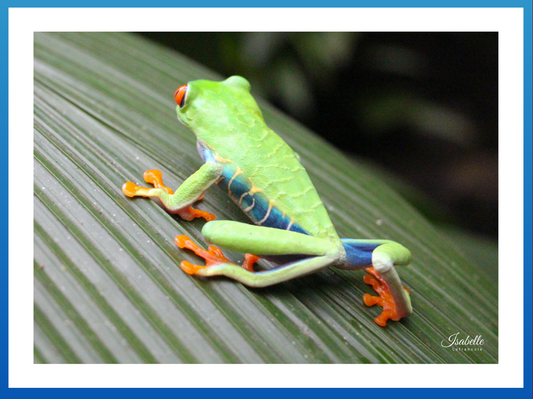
column 153, row 177
column 164, row 194
column 385, row 298
column 213, row 257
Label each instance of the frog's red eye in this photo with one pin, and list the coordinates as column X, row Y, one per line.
column 180, row 95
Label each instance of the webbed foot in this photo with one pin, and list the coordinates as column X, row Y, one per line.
column 155, row 178
column 385, row 298
column 213, row 257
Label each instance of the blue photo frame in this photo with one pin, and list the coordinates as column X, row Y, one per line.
column 235, row 392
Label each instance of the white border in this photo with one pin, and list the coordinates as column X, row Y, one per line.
column 23, row 22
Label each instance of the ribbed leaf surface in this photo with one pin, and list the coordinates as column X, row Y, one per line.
column 107, row 283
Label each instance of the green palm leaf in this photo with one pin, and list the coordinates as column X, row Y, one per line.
column 107, row 285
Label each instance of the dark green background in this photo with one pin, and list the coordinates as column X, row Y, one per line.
column 423, row 106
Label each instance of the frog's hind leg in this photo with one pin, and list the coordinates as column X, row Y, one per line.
column 314, row 253
column 378, row 258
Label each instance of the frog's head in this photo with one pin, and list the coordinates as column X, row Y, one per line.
column 208, row 107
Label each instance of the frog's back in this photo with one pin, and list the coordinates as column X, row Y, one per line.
column 270, row 185
column 262, row 173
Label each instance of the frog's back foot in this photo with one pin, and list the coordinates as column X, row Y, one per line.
column 379, row 257
column 395, row 305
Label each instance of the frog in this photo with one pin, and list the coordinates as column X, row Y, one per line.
column 262, row 174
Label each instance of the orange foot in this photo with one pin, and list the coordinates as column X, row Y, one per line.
column 213, row 256
column 385, row 299
column 155, row 178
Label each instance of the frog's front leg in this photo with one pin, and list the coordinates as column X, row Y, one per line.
column 264, row 241
column 383, row 256
column 189, row 192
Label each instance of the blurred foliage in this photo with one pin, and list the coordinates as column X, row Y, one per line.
column 424, row 105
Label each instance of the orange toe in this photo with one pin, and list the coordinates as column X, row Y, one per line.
column 249, row 261
column 155, row 178
column 189, row 268
column 130, row 189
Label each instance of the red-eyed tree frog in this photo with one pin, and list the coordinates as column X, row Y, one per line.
column 264, row 177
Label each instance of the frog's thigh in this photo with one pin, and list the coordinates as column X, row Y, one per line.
column 259, row 240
